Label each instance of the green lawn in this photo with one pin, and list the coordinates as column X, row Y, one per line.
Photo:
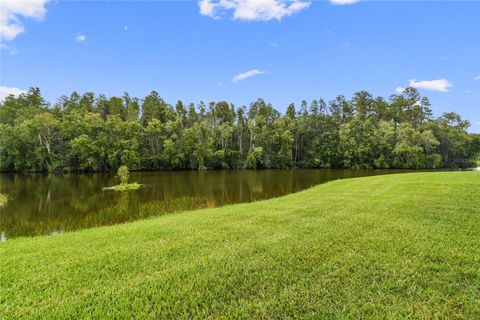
column 395, row 246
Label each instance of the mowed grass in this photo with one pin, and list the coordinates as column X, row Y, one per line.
column 395, row 246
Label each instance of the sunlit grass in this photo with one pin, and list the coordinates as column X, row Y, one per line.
column 395, row 246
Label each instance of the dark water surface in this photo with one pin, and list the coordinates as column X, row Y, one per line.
column 41, row 204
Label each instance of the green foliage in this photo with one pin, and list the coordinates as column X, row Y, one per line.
column 89, row 133
column 123, row 174
column 3, row 199
column 403, row 246
column 254, row 158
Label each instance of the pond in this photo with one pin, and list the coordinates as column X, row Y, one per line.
column 42, row 204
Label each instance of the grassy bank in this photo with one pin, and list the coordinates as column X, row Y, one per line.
column 396, row 246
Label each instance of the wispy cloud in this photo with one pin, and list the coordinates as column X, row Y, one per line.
column 441, row 85
column 247, row 74
column 342, row 2
column 8, row 49
column 399, row 90
column 80, row 37
column 477, row 77
column 260, row 10
column 6, row 91
column 125, row 28
column 12, row 10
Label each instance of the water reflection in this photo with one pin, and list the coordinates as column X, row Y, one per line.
column 41, row 204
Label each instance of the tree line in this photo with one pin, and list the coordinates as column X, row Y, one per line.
column 98, row 133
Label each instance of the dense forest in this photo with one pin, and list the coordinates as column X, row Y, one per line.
column 97, row 133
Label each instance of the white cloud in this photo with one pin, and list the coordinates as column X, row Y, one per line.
column 6, row 91
column 12, row 10
column 247, row 74
column 399, row 90
column 125, row 27
column 8, row 49
column 477, row 77
column 274, row 44
column 262, row 10
column 418, row 103
column 342, row 2
column 441, row 85
column 80, row 37
column 207, row 8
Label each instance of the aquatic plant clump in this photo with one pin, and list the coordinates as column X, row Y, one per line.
column 124, row 187
column 121, row 212
column 3, row 199
column 123, row 174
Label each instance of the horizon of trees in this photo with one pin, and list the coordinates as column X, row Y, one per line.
column 96, row 133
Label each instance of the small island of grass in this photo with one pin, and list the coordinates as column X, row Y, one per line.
column 123, row 174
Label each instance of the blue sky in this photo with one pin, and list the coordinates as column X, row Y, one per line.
column 239, row 50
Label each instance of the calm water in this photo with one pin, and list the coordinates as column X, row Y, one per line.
column 42, row 204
